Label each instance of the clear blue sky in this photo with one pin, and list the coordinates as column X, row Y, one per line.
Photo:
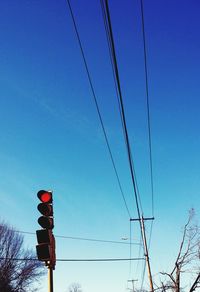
column 51, row 137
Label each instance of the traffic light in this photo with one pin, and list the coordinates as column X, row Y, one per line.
column 46, row 209
column 45, row 238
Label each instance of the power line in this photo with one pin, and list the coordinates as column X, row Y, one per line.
column 98, row 240
column 100, row 260
column 139, row 254
column 77, row 260
column 111, row 45
column 85, row 239
column 114, row 59
column 147, row 103
column 143, row 274
column 97, row 106
column 148, row 122
column 109, row 34
column 130, row 159
column 110, row 49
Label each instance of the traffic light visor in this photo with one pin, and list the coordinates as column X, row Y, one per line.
column 45, row 196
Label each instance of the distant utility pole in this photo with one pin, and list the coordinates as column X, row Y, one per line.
column 132, row 281
column 146, row 253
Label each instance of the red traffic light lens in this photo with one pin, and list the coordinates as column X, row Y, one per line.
column 44, row 196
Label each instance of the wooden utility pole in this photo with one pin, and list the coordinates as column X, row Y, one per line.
column 146, row 253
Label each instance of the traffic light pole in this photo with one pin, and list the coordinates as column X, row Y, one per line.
column 50, row 279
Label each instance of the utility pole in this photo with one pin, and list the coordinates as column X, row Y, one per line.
column 146, row 253
column 132, row 281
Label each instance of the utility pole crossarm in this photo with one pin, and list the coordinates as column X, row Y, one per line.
column 137, row 219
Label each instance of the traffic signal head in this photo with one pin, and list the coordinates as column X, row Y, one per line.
column 46, row 247
column 44, row 236
column 43, row 249
column 46, row 209
column 43, row 252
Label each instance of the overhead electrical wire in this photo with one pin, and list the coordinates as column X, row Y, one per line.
column 110, row 48
column 101, row 260
column 110, row 53
column 148, row 122
column 148, row 125
column 148, row 105
column 97, row 106
column 108, row 26
column 99, row 240
column 130, row 160
column 139, row 255
column 85, row 239
column 76, row 260
column 130, row 250
column 142, row 277
column 122, row 112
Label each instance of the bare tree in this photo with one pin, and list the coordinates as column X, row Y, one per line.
column 18, row 270
column 75, row 287
column 187, row 261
